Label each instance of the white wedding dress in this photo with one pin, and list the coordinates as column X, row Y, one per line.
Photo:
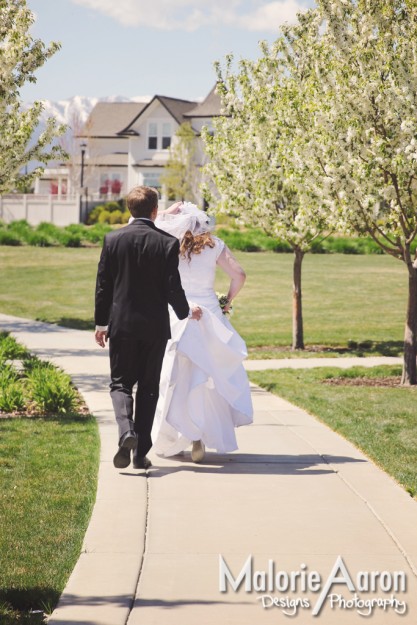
column 204, row 389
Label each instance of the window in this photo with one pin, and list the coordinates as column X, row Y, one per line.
column 116, row 184
column 110, row 183
column 152, row 136
column 104, row 184
column 151, row 179
column 166, row 136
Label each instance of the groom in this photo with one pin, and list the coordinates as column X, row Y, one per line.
column 136, row 280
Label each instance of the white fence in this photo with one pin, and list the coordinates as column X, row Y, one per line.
column 37, row 208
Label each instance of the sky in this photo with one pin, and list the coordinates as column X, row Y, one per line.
column 146, row 47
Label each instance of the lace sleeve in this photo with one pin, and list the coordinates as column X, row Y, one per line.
column 219, row 246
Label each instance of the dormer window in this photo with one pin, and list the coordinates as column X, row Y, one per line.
column 152, row 136
column 166, row 136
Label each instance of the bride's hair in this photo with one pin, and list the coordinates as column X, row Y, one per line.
column 194, row 244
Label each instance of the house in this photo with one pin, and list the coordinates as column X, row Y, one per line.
column 150, row 135
column 127, row 144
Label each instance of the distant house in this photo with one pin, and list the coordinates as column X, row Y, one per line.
column 127, row 143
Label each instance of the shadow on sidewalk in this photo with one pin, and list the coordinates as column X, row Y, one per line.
column 159, row 603
column 37, row 598
column 75, row 323
column 236, row 464
column 29, row 325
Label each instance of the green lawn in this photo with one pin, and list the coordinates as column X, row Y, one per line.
column 356, row 298
column 48, row 475
column 344, row 298
column 50, row 284
column 381, row 421
column 46, row 463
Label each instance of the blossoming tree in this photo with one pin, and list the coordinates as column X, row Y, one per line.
column 181, row 176
column 20, row 57
column 245, row 175
column 358, row 155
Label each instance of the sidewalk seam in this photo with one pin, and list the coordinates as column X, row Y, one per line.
column 381, row 522
column 145, row 542
column 356, row 492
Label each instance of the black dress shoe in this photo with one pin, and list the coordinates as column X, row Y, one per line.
column 141, row 462
column 128, row 442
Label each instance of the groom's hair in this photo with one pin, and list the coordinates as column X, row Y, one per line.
column 141, row 201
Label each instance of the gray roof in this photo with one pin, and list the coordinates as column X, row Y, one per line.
column 177, row 108
column 210, row 107
column 149, row 163
column 107, row 119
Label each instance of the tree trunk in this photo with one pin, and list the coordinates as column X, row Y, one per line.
column 297, row 309
column 409, row 375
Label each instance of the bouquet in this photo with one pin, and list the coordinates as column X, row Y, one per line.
column 223, row 301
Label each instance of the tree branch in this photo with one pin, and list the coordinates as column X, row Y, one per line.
column 405, row 224
column 395, row 251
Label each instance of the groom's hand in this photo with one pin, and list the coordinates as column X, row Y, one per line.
column 101, row 337
column 196, row 313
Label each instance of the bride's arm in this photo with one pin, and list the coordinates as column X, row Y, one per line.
column 172, row 210
column 229, row 264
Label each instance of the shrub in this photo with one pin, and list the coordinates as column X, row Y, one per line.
column 69, row 239
column 104, row 217
column 319, row 247
column 367, row 344
column 226, row 220
column 7, row 374
column 368, row 246
column 281, row 247
column 40, row 239
column 12, row 397
column 11, row 390
column 95, row 234
column 252, row 240
column 20, row 227
column 115, row 217
column 8, row 237
column 78, row 229
column 109, row 207
column 344, row 246
column 256, row 240
column 51, row 389
column 242, row 241
column 10, row 349
column 49, row 230
column 33, row 362
column 112, row 206
column 95, row 214
column 125, row 217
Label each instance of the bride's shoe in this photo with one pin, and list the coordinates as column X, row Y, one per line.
column 198, row 451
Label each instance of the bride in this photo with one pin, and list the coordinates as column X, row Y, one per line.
column 204, row 389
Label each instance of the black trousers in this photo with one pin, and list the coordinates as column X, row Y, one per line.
column 134, row 361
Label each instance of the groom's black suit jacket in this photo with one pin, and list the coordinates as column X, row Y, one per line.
column 136, row 280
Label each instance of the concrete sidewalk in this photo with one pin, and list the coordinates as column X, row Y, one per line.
column 344, row 362
column 296, row 494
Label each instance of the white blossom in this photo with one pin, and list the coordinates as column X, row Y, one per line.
column 20, row 57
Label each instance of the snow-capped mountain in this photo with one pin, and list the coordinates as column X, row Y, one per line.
column 74, row 113
column 65, row 111
column 79, row 107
